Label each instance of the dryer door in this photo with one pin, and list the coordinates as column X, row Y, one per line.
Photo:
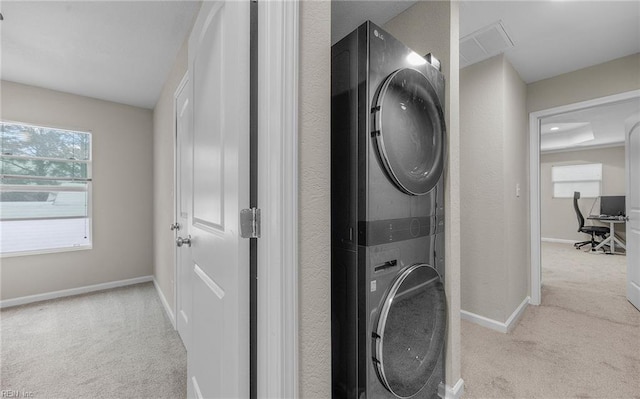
column 409, row 131
column 410, row 333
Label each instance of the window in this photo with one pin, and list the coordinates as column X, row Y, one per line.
column 585, row 178
column 45, row 189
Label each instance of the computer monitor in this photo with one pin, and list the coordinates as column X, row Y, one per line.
column 612, row 205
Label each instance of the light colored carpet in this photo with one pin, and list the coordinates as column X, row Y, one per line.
column 110, row 344
column 583, row 341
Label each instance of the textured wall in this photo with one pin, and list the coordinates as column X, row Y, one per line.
column 516, row 172
column 432, row 27
column 495, row 227
column 315, row 199
column 617, row 76
column 122, row 201
column 557, row 217
column 164, row 249
column 481, row 187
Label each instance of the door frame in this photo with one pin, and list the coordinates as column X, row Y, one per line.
column 630, row 124
column 176, row 254
column 534, row 179
column 278, row 38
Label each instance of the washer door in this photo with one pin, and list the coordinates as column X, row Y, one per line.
column 409, row 131
column 410, row 333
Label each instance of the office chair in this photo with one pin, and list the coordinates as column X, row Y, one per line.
column 600, row 231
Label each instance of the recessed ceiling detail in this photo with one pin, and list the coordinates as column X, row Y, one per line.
column 567, row 137
column 484, row 43
column 548, row 128
column 592, row 127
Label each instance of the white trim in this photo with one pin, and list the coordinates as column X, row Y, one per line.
column 583, row 148
column 165, row 304
column 633, row 290
column 512, row 321
column 558, row 240
column 449, row 392
column 46, row 251
column 499, row 326
column 534, row 178
column 278, row 196
column 483, row 321
column 534, row 207
column 72, row 291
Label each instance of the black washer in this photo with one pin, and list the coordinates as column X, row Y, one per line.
column 410, row 332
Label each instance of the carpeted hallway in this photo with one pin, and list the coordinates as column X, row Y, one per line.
column 583, row 341
column 110, row 344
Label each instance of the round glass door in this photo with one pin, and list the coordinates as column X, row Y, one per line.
column 411, row 330
column 409, row 131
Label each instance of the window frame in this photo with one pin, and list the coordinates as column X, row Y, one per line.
column 89, row 190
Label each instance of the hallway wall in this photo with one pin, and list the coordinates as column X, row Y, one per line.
column 495, row 224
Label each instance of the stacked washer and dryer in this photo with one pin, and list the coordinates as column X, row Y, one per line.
column 388, row 153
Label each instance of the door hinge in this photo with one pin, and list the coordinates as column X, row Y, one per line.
column 250, row 223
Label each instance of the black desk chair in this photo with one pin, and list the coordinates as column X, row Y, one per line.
column 600, row 231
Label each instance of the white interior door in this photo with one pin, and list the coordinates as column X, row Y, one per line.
column 184, row 264
column 633, row 209
column 218, row 358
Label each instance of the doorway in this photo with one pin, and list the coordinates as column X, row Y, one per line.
column 577, row 148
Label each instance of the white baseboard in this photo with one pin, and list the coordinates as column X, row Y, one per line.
column 499, row 326
column 449, row 392
column 72, row 291
column 165, row 304
column 512, row 321
column 558, row 240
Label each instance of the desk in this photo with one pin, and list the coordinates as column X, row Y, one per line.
column 612, row 240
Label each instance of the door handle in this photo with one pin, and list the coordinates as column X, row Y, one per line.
column 183, row 241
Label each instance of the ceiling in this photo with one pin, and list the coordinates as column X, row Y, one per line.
column 554, row 37
column 550, row 37
column 599, row 126
column 122, row 51
column 119, row 51
column 541, row 39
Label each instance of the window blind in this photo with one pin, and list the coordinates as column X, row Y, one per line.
column 45, row 188
column 584, row 178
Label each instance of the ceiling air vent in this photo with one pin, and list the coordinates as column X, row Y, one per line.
column 484, row 43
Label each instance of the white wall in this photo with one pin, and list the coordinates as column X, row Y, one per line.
column 314, row 227
column 557, row 217
column 122, row 200
column 495, row 228
column 432, row 27
column 163, row 180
